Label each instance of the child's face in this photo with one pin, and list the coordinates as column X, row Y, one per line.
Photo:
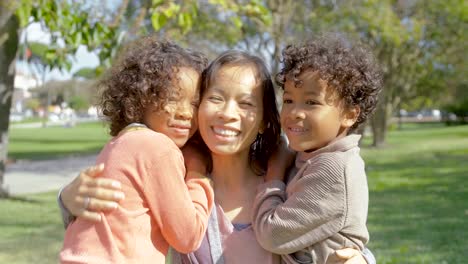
column 231, row 111
column 178, row 119
column 312, row 115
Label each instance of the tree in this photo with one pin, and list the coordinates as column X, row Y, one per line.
column 65, row 21
column 9, row 25
column 76, row 24
column 87, row 73
column 418, row 44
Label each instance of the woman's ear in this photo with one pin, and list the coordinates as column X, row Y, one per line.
column 350, row 116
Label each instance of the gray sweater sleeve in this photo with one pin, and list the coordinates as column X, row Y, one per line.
column 315, row 209
column 67, row 216
column 368, row 256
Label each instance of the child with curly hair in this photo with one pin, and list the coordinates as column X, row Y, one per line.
column 150, row 99
column 330, row 88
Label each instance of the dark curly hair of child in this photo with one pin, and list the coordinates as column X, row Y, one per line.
column 347, row 67
column 144, row 75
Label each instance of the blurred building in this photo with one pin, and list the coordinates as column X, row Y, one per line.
column 24, row 82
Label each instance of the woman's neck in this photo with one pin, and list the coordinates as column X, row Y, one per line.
column 235, row 185
column 231, row 172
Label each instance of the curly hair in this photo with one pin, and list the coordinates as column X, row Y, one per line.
column 348, row 68
column 144, row 75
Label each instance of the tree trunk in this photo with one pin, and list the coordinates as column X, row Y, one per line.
column 8, row 48
column 379, row 124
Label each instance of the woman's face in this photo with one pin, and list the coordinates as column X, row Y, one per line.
column 231, row 111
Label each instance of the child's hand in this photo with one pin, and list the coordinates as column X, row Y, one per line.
column 280, row 161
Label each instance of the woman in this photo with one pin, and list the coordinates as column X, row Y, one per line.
column 238, row 122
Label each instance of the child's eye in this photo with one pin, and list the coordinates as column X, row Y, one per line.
column 312, row 102
column 214, row 98
column 287, row 101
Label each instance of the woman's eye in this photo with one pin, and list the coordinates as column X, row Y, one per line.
column 246, row 103
column 311, row 102
column 287, row 101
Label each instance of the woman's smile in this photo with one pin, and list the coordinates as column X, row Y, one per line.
column 231, row 110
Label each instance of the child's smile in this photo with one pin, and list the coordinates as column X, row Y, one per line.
column 312, row 114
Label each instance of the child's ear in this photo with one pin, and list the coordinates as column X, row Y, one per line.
column 350, row 116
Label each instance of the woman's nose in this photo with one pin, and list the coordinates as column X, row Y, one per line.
column 228, row 111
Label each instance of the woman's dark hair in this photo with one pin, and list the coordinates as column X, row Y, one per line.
column 266, row 142
column 348, row 68
column 144, row 75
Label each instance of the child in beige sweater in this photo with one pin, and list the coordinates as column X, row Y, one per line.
column 330, row 88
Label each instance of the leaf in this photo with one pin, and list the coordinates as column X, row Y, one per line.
column 158, row 21
column 237, row 21
column 50, row 54
column 157, row 3
column 24, row 12
column 181, row 20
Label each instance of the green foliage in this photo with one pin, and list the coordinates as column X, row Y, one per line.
column 33, row 104
column 87, row 73
column 78, row 103
column 460, row 109
column 420, row 44
column 69, row 22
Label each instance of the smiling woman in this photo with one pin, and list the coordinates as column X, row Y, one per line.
column 230, row 114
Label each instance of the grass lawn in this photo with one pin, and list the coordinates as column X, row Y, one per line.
column 30, row 229
column 418, row 209
column 418, row 201
column 51, row 142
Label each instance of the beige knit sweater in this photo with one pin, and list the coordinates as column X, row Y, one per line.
column 323, row 208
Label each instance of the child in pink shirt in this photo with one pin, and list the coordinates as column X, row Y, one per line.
column 150, row 100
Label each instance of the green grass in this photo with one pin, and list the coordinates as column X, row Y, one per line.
column 28, row 120
column 52, row 142
column 30, row 229
column 418, row 209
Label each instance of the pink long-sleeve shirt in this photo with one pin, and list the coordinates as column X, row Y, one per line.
column 160, row 208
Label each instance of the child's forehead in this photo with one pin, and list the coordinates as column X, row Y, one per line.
column 186, row 79
column 305, row 79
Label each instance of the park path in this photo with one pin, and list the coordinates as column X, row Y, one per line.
column 25, row 177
